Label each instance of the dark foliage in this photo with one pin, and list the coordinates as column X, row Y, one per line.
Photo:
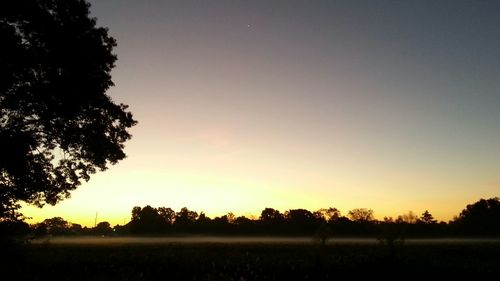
column 146, row 220
column 57, row 125
column 13, row 229
column 103, row 228
column 481, row 218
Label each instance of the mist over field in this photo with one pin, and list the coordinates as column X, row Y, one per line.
column 93, row 240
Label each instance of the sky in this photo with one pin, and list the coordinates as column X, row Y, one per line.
column 243, row 105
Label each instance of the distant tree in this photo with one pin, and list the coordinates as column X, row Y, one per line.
column 146, row 220
column 203, row 223
column 185, row 217
column 75, row 228
column 271, row 221
column 202, row 218
column 242, row 220
column 136, row 213
column 40, row 229
column 409, row 218
column 230, row 217
column 56, row 226
column 167, row 214
column 299, row 215
column 323, row 232
column 57, row 125
column 329, row 215
column 270, row 215
column 342, row 226
column 103, row 228
column 246, row 225
column 361, row 215
column 302, row 221
column 220, row 223
column 388, row 220
column 121, row 229
column 427, row 218
column 391, row 234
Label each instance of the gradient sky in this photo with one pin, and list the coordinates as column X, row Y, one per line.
column 242, row 105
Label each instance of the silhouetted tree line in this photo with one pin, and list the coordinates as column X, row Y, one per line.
column 479, row 219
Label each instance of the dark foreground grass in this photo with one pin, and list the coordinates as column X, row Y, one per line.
column 218, row 261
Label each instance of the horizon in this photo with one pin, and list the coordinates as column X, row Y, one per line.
column 97, row 219
column 244, row 105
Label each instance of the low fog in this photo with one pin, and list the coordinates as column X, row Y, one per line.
column 241, row 240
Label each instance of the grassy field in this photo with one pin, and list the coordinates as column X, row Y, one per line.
column 254, row 260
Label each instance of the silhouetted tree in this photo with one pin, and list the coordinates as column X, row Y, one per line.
column 326, row 218
column 246, row 225
column 362, row 222
column 427, row 218
column 242, row 220
column 203, row 218
column 409, row 218
column 271, row 221
column 221, row 225
column 323, row 233
column 271, row 215
column 146, row 220
column 136, row 213
column 361, row 215
column 343, row 226
column 391, row 234
column 299, row 216
column 481, row 218
column 167, row 214
column 103, row 228
column 121, row 229
column 40, row 229
column 204, row 223
column 75, row 229
column 185, row 219
column 13, row 229
column 330, row 214
column 302, row 221
column 56, row 226
column 57, row 125
column 230, row 217
column 186, row 215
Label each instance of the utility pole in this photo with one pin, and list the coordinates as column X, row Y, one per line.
column 95, row 220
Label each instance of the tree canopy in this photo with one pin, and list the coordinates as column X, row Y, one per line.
column 57, row 124
column 482, row 217
column 361, row 215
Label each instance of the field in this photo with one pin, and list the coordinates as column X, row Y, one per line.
column 212, row 258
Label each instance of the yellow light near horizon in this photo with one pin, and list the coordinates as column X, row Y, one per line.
column 220, row 180
column 112, row 198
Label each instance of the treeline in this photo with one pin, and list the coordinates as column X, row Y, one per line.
column 294, row 222
column 479, row 219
